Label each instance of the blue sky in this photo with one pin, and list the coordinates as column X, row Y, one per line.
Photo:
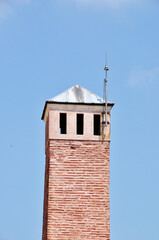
column 47, row 47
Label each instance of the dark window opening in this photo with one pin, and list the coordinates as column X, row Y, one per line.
column 96, row 124
column 80, row 124
column 63, row 123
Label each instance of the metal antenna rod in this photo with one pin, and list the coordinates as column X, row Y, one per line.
column 105, row 80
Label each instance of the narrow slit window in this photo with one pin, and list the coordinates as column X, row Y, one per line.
column 97, row 125
column 80, row 124
column 63, row 121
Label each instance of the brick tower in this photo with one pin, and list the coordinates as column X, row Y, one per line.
column 77, row 143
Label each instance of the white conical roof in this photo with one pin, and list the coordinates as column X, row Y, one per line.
column 77, row 94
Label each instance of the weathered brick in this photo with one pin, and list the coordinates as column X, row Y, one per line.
column 76, row 197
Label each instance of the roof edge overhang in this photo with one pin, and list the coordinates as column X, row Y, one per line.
column 111, row 104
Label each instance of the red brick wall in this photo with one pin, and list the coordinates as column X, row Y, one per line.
column 45, row 210
column 76, row 201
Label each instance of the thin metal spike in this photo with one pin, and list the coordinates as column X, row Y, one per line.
column 106, row 58
column 105, row 80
